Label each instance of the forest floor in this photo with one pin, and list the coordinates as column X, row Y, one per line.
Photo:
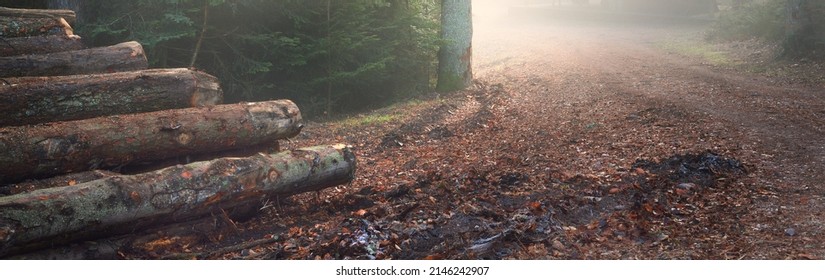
column 577, row 141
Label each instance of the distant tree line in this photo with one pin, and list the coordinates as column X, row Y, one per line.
column 329, row 56
column 798, row 25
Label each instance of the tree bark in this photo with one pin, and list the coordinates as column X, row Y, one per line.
column 41, row 151
column 127, row 203
column 804, row 28
column 66, row 14
column 455, row 57
column 33, row 100
column 39, row 45
column 31, row 26
column 34, row 22
column 144, row 241
column 121, row 57
column 59, row 181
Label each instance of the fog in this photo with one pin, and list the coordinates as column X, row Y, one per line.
column 606, row 11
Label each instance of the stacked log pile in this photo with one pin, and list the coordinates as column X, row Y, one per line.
column 76, row 120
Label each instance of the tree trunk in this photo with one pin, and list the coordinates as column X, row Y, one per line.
column 39, row 45
column 23, row 27
column 127, row 203
column 455, row 57
column 40, row 151
column 144, row 241
column 33, row 100
column 121, row 57
column 804, row 34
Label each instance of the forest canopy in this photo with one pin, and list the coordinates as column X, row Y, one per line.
column 328, row 56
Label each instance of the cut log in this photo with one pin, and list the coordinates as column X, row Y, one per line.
column 23, row 27
column 54, row 182
column 131, row 202
column 39, row 45
column 32, row 100
column 86, row 176
column 46, row 150
column 68, row 15
column 151, row 241
column 118, row 58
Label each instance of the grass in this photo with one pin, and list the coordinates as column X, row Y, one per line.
column 698, row 48
column 370, row 119
column 392, row 112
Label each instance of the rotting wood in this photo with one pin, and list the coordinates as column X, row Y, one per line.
column 126, row 56
column 45, row 150
column 39, row 45
column 127, row 203
column 33, row 100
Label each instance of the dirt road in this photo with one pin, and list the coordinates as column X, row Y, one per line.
column 645, row 103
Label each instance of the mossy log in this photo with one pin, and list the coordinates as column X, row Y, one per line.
column 46, row 150
column 118, row 58
column 40, row 45
column 33, row 100
column 127, row 203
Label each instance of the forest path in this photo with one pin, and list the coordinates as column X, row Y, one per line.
column 653, row 104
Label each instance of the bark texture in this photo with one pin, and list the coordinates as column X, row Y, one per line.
column 39, row 45
column 59, row 181
column 66, row 14
column 33, row 100
column 41, row 151
column 455, row 57
column 11, row 27
column 126, row 203
column 121, row 57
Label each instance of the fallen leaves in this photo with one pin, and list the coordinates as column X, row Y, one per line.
column 570, row 162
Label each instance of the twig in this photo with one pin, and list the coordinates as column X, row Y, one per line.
column 224, row 250
column 229, row 221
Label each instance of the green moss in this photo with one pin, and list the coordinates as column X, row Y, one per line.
column 372, row 119
column 448, row 83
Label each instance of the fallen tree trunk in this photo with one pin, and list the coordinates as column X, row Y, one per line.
column 126, row 203
column 39, row 151
column 39, row 45
column 86, row 176
column 121, row 57
column 11, row 27
column 68, row 15
column 32, row 100
column 150, row 241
